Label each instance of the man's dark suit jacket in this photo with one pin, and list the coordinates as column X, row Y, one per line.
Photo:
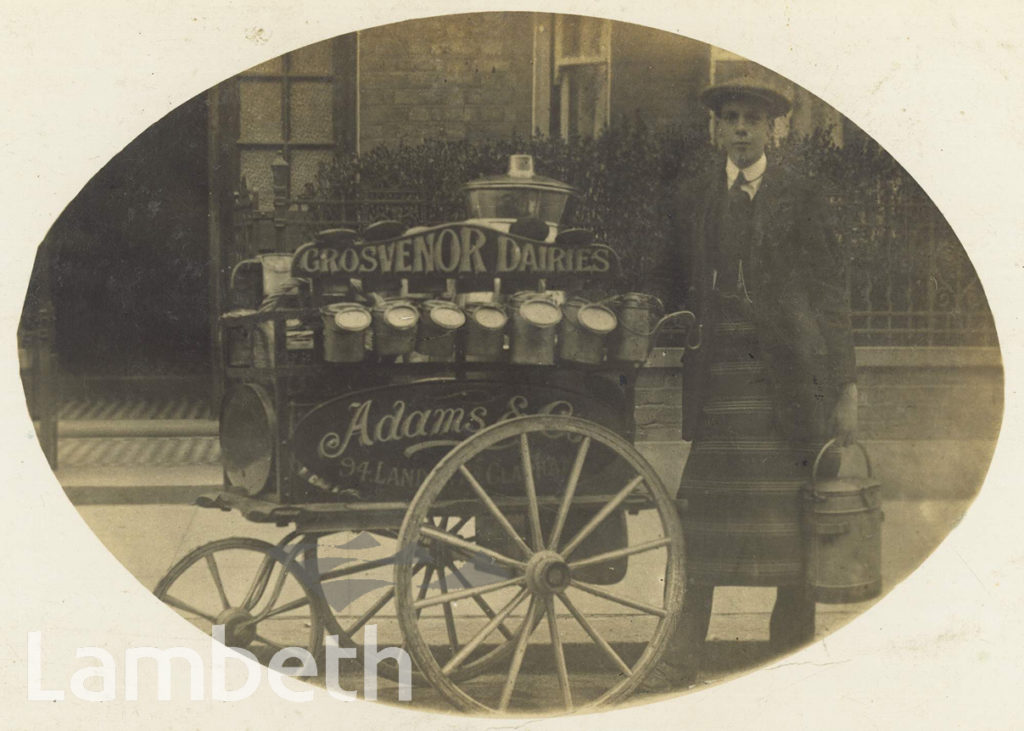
column 797, row 280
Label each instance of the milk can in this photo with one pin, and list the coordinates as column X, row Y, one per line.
column 275, row 274
column 298, row 343
column 345, row 326
column 519, row 198
column 534, row 320
column 631, row 340
column 583, row 330
column 394, row 327
column 843, row 535
column 238, row 337
column 438, row 328
column 485, row 332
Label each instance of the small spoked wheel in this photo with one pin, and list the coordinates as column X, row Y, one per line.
column 355, row 573
column 553, row 509
column 258, row 593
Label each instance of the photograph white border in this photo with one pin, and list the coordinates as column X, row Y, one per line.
column 936, row 82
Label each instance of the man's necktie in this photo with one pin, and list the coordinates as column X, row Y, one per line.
column 736, row 236
column 738, row 196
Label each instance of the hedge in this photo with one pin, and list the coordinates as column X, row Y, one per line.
column 625, row 173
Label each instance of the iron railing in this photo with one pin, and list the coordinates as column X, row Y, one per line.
column 911, row 281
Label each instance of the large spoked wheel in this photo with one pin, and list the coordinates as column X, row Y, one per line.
column 258, row 592
column 543, row 500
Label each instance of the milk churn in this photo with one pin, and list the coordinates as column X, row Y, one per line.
column 440, row 324
column 583, row 330
column 394, row 327
column 843, row 535
column 275, row 273
column 500, row 201
column 485, row 331
column 535, row 317
column 345, row 326
column 298, row 342
column 238, row 338
column 632, row 339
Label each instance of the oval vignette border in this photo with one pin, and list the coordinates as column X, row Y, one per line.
column 994, row 294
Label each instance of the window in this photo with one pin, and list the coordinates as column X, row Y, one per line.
column 582, row 75
column 300, row 106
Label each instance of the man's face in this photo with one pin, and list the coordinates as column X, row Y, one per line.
column 743, row 130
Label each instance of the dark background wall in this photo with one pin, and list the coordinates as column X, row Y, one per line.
column 658, row 74
column 130, row 257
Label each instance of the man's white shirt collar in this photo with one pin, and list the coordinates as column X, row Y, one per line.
column 752, row 173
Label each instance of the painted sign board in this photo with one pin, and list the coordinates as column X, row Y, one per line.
column 384, row 441
column 462, row 251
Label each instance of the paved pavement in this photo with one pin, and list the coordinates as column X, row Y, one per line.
column 140, row 508
column 135, row 486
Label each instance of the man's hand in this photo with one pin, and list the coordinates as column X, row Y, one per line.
column 844, row 417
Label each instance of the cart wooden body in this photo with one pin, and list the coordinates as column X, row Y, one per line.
column 490, row 513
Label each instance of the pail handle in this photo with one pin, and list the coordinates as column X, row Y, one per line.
column 688, row 319
column 239, row 265
column 616, row 302
column 821, row 453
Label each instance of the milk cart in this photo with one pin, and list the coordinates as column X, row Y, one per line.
column 444, row 416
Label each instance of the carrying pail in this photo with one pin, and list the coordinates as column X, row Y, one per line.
column 345, row 326
column 485, row 332
column 632, row 340
column 394, row 327
column 534, row 320
column 298, row 343
column 843, row 535
column 438, row 328
column 238, row 338
column 584, row 328
column 275, row 269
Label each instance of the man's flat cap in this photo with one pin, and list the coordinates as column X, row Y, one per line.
column 746, row 88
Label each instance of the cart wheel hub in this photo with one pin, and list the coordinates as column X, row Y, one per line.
column 239, row 630
column 547, row 573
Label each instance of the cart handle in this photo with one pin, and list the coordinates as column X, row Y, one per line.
column 280, row 315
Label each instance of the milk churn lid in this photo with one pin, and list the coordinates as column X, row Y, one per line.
column 540, row 312
column 401, row 316
column 489, row 316
column 445, row 314
column 351, row 316
column 520, row 176
column 598, row 319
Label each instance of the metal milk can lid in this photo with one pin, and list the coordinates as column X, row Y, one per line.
column 540, row 313
column 399, row 315
column 445, row 314
column 489, row 316
column 355, row 317
column 597, row 318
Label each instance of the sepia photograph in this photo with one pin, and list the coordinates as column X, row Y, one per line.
column 504, row 364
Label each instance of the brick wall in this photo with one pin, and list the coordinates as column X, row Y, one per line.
column 659, row 76
column 659, row 399
column 453, row 77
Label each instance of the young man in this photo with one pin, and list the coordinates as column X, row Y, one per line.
column 752, row 253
